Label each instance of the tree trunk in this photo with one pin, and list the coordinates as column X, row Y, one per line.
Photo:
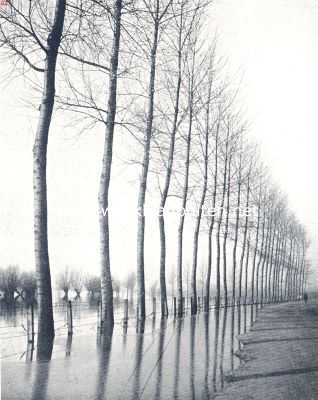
column 164, row 194
column 245, row 234
column 260, row 258
column 202, row 200
column 237, row 221
column 226, row 229
column 264, row 261
column 42, row 264
column 256, row 245
column 218, row 244
column 211, row 226
column 144, row 173
column 246, row 267
column 107, row 312
column 185, row 193
column 271, row 262
column 268, row 259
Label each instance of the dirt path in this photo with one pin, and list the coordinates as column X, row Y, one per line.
column 279, row 356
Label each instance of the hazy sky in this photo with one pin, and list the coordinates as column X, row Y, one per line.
column 272, row 49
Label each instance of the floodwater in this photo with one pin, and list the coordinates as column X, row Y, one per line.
column 159, row 359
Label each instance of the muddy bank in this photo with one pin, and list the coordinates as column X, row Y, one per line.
column 279, row 356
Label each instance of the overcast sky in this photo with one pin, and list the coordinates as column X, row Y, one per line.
column 272, row 49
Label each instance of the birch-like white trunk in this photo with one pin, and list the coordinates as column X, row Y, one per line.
column 164, row 194
column 107, row 312
column 226, row 229
column 199, row 216
column 236, row 230
column 141, row 303
column 211, row 226
column 42, row 264
column 220, row 219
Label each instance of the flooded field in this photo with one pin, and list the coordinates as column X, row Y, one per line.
column 159, row 359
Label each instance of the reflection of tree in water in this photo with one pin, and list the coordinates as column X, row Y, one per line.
column 252, row 315
column 232, row 336
column 104, row 345
column 206, row 391
column 223, row 345
column 138, row 357
column 216, row 345
column 192, row 355
column 162, row 334
column 177, row 358
column 44, row 354
column 239, row 318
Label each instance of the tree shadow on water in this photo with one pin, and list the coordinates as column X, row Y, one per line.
column 43, row 356
column 104, row 345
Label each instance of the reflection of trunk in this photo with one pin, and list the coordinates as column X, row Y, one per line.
column 245, row 318
column 184, row 195
column 216, row 348
column 223, row 346
column 138, row 358
column 44, row 354
column 164, row 194
column 42, row 265
column 218, row 233
column 163, row 325
column 239, row 319
column 237, row 221
column 104, row 352
column 207, row 355
column 177, row 360
column 232, row 337
column 198, row 220
column 145, row 168
column 211, row 226
column 106, row 278
column 192, row 356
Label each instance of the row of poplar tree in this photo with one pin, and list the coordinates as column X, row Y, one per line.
column 148, row 69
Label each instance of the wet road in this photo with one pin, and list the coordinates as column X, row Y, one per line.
column 280, row 356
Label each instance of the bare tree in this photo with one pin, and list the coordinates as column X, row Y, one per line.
column 10, row 282
column 22, row 33
column 207, row 132
column 64, row 281
column 220, row 217
column 178, row 42
column 28, row 287
column 107, row 315
column 77, row 282
column 157, row 12
column 92, row 285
